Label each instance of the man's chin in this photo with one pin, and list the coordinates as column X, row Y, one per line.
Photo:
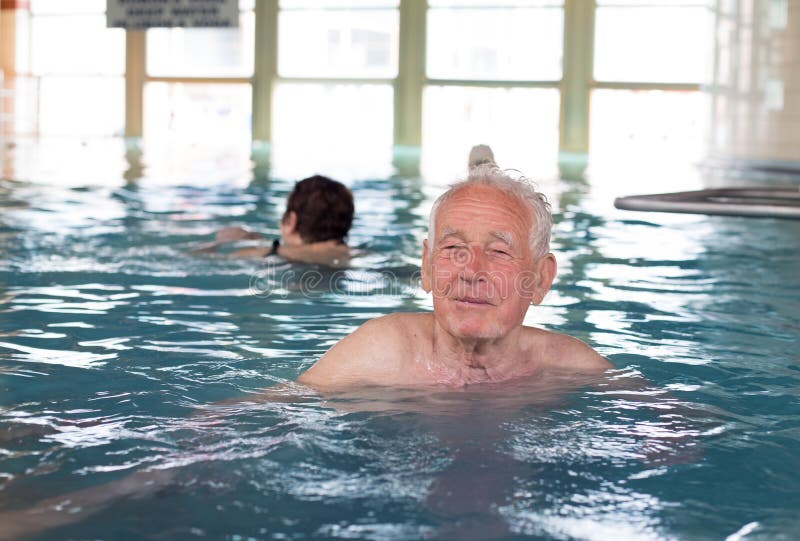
column 474, row 329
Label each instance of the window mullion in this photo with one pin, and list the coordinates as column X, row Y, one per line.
column 411, row 74
column 577, row 80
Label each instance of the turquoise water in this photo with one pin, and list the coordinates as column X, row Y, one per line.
column 118, row 345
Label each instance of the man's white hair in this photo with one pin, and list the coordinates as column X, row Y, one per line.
column 518, row 187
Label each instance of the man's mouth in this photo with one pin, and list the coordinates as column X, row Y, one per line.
column 473, row 301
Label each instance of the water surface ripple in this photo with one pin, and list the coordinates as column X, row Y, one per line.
column 131, row 374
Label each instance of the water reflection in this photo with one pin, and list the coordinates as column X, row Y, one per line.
column 472, row 464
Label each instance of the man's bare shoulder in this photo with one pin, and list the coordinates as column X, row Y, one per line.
column 393, row 329
column 566, row 353
column 372, row 354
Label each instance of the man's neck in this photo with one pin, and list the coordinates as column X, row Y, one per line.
column 458, row 361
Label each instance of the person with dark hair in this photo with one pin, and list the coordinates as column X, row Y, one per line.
column 318, row 209
column 314, row 228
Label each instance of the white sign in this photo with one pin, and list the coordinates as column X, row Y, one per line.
column 141, row 14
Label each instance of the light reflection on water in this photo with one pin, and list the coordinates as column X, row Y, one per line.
column 117, row 343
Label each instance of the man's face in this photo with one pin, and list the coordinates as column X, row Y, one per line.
column 479, row 266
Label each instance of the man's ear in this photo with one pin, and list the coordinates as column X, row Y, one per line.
column 545, row 270
column 427, row 282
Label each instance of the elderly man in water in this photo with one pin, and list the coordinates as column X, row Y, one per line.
column 486, row 261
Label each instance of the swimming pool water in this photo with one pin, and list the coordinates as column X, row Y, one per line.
column 117, row 347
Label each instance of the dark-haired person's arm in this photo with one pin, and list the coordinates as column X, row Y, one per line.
column 225, row 235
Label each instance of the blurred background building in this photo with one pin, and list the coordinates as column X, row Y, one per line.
column 545, row 82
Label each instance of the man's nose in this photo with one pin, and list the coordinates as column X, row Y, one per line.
column 474, row 267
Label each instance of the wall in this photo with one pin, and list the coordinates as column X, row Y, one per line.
column 755, row 95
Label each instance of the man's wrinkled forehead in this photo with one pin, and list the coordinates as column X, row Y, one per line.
column 448, row 219
column 449, row 232
column 464, row 196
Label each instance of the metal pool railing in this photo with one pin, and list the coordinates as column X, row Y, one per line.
column 772, row 202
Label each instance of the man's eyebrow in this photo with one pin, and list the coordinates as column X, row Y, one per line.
column 448, row 232
column 503, row 236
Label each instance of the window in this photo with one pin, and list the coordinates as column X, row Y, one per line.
column 179, row 105
column 197, row 112
column 203, row 52
column 520, row 124
column 493, row 74
column 336, row 43
column 475, row 40
column 661, row 117
column 672, row 42
column 336, row 123
column 80, row 67
column 339, row 122
column 481, row 57
column 648, row 124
